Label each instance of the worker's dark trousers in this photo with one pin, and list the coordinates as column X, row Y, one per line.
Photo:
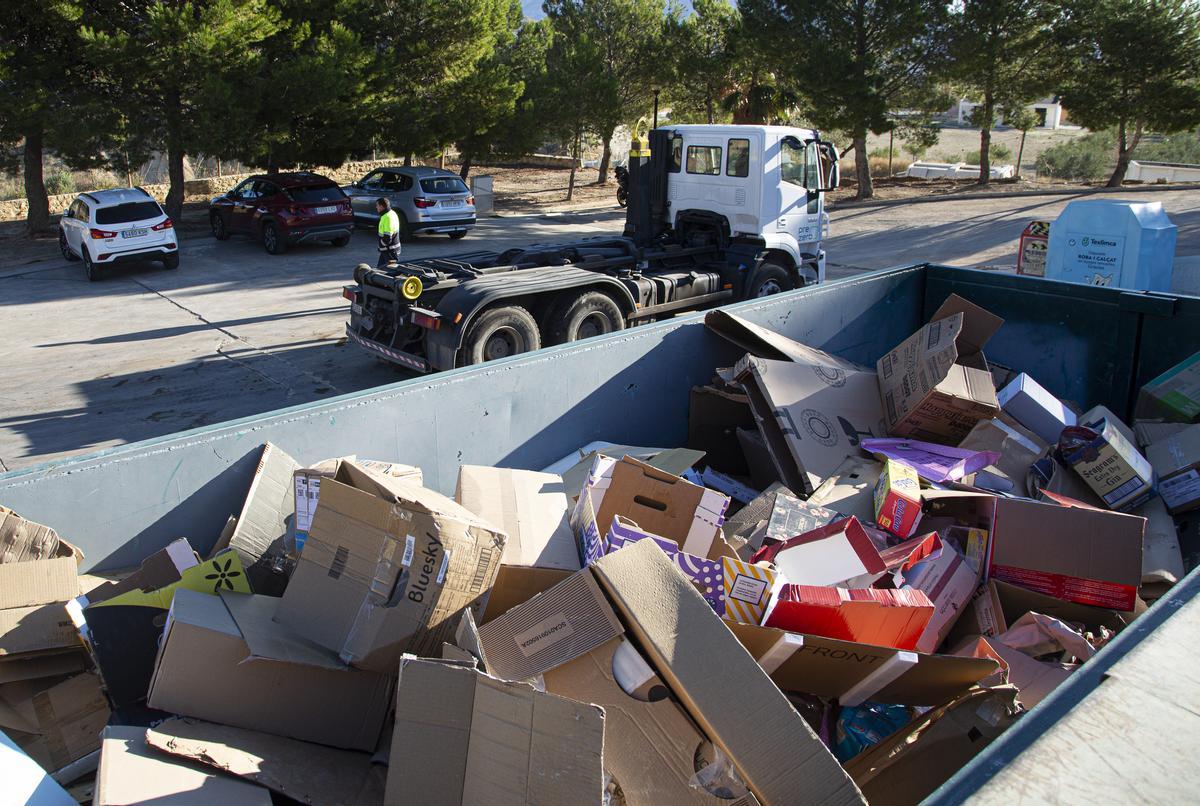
column 388, row 255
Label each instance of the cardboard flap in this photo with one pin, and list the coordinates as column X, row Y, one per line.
column 411, row 495
column 530, row 507
column 766, row 343
column 270, row 503
column 978, row 324
column 38, row 582
column 270, row 640
column 22, row 540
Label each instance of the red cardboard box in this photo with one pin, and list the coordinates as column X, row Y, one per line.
column 891, row 618
column 840, row 553
column 898, row 499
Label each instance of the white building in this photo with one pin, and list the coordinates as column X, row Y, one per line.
column 1049, row 112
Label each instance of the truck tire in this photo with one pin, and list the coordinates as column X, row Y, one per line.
column 500, row 333
column 770, row 278
column 592, row 314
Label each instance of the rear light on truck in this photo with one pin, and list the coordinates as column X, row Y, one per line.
column 167, row 224
column 349, row 293
column 424, row 203
column 429, row 320
column 101, row 234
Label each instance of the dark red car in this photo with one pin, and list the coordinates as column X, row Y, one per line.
column 283, row 210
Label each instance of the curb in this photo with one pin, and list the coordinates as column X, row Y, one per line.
column 850, row 204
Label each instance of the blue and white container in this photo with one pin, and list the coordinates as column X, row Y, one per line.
column 1121, row 244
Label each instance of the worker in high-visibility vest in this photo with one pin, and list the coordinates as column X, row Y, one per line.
column 389, row 233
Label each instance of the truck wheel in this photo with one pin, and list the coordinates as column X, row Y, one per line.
column 500, row 333
column 770, row 278
column 592, row 314
column 272, row 240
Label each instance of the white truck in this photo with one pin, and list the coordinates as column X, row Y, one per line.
column 716, row 214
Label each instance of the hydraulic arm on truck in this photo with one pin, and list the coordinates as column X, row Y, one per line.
column 716, row 214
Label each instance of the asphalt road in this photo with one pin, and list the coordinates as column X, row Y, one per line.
column 235, row 331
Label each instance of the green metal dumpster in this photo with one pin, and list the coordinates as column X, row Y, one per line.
column 1086, row 344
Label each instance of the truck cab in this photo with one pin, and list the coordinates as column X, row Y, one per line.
column 766, row 182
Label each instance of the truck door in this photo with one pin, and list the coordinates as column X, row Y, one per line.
column 800, row 208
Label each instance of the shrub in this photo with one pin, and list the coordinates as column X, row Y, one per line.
column 60, row 182
column 1088, row 157
column 1184, row 147
column 998, row 152
column 11, row 187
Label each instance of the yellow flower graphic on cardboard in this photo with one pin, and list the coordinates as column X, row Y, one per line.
column 223, row 575
column 222, row 572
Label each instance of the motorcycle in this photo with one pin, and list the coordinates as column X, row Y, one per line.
column 622, row 185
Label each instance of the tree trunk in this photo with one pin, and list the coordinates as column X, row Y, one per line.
column 710, row 107
column 37, row 218
column 465, row 168
column 862, row 168
column 175, row 151
column 574, row 163
column 1021, row 151
column 1125, row 148
column 605, row 159
column 408, row 160
column 272, row 169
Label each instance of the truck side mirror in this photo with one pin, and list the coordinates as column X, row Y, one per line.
column 830, row 174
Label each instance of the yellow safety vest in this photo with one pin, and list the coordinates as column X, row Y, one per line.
column 389, row 223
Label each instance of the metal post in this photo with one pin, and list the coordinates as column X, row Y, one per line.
column 891, row 138
column 656, row 109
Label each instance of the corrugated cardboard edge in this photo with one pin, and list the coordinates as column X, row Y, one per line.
column 659, row 583
column 310, row 773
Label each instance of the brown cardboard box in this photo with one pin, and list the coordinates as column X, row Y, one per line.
column 691, row 650
column 306, row 482
column 849, row 671
column 517, row 584
column 998, row 605
column 1176, row 461
column 715, row 413
column 851, row 488
column 1084, row 555
column 1174, row 395
column 225, row 660
column 388, row 568
column 530, row 507
column 1034, row 678
column 766, row 343
column 33, row 595
column 463, row 737
column 55, row 720
column 811, row 415
column 936, row 385
column 269, row 508
column 22, row 540
column 130, row 772
column 1018, row 448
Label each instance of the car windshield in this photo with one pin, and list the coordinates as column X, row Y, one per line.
column 444, row 184
column 316, row 193
column 129, row 211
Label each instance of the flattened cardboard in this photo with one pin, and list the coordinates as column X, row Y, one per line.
column 1018, row 448
column 264, row 521
column 307, row 772
column 157, row 571
column 1147, row 432
column 1173, row 396
column 827, row 667
column 23, row 540
column 1033, row 678
column 936, row 384
column 763, row 471
column 463, row 737
column 791, row 517
column 33, row 595
column 1162, row 559
column 130, row 772
column 1176, row 461
column 205, row 669
column 811, row 415
column 31, row 667
column 67, row 716
column 27, row 782
column 776, row 754
column 850, row 489
column 388, row 567
column 766, row 343
column 530, row 507
column 516, row 585
column 1032, row 406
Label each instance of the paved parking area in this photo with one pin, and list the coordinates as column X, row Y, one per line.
column 235, row 331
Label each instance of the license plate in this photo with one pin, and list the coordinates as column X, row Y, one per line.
column 134, row 233
column 325, row 210
column 356, row 309
column 452, row 204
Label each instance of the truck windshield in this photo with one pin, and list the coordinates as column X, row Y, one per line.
column 444, row 184
column 130, row 211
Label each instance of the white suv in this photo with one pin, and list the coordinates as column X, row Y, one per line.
column 117, row 226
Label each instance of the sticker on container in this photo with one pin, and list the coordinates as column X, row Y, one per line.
column 410, row 547
column 445, row 564
column 1179, row 491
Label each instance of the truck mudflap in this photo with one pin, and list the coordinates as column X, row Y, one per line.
column 406, row 360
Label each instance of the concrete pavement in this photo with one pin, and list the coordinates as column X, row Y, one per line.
column 235, row 331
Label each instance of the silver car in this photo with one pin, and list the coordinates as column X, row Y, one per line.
column 426, row 199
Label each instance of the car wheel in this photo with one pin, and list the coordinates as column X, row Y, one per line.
column 592, row 314
column 272, row 239
column 217, row 224
column 93, row 271
column 65, row 247
column 462, row 233
column 770, row 278
column 171, row 261
column 340, row 242
column 500, row 333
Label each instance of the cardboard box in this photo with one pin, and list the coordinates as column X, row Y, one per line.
column 766, row 343
column 1033, row 678
column 997, row 605
column 1018, row 448
column 949, row 581
column 1028, row 403
column 264, row 520
column 27, row 782
column 388, row 568
column 851, row 488
column 775, row 754
column 791, row 517
column 530, row 507
column 811, row 415
column 1176, row 462
column 463, row 737
column 33, row 596
column 936, row 384
column 224, row 659
column 849, row 671
column 22, row 540
column 130, row 772
column 893, row 618
column 1073, row 552
column 838, row 554
column 1147, row 432
column 306, row 483
column 1103, row 457
column 898, row 499
column 1162, row 559
column 55, row 720
column 517, row 584
column 715, row 413
column 1174, row 395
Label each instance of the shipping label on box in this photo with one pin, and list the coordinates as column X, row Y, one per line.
column 898, row 499
column 1109, row 463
